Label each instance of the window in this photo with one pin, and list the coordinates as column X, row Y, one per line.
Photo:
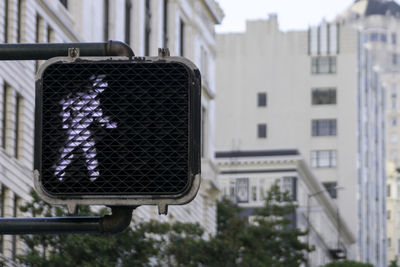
column 64, row 3
column 182, row 38
column 323, row 65
column 165, row 24
column 106, row 21
column 394, row 103
column 389, row 242
column 128, row 10
column 374, row 37
column 18, row 111
column 50, row 34
column 5, row 114
column 388, row 190
column 6, row 18
column 254, row 193
column 262, row 130
column 19, row 21
column 323, row 96
column 394, row 121
column 394, row 59
column 38, row 35
column 324, row 127
column 262, row 99
column 388, row 214
column 289, row 184
column 394, row 38
column 147, row 28
column 323, row 158
column 232, row 191
column 331, row 188
column 383, row 38
column 398, row 194
column 242, row 190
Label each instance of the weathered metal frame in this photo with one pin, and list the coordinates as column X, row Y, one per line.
column 162, row 201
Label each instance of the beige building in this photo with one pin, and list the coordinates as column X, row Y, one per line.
column 320, row 91
column 393, row 211
column 186, row 27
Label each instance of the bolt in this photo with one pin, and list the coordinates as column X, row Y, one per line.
column 73, row 52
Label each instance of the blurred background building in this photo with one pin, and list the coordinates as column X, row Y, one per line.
column 322, row 91
column 246, row 176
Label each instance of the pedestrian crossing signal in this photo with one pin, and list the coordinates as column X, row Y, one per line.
column 115, row 131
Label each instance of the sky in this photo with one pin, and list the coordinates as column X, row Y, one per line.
column 292, row 14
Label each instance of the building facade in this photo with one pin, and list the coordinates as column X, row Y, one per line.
column 321, row 92
column 186, row 27
column 393, row 211
column 246, row 176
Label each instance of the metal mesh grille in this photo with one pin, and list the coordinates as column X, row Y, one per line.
column 115, row 128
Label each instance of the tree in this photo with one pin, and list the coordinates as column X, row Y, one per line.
column 347, row 263
column 266, row 240
column 134, row 247
column 393, row 263
column 271, row 240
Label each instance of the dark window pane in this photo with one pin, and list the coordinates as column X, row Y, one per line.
column 147, row 28
column 64, row 3
column 323, row 96
column 374, row 37
column 262, row 131
column 262, row 99
column 182, row 40
column 165, row 24
column 323, row 127
column 106, row 19
column 6, row 21
column 323, row 65
column 128, row 10
column 383, row 37
column 330, row 187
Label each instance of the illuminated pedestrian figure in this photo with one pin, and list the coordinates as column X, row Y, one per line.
column 79, row 111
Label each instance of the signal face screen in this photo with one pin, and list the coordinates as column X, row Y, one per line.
column 114, row 128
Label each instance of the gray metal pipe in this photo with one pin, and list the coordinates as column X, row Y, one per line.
column 115, row 223
column 43, row 51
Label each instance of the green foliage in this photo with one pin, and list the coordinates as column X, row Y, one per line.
column 134, row 247
column 393, row 263
column 348, row 264
column 266, row 240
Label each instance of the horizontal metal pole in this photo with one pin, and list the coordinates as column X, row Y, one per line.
column 116, row 222
column 49, row 225
column 43, row 51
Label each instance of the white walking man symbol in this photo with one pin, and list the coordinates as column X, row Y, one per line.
column 79, row 111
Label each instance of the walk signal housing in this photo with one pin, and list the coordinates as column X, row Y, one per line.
column 117, row 131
